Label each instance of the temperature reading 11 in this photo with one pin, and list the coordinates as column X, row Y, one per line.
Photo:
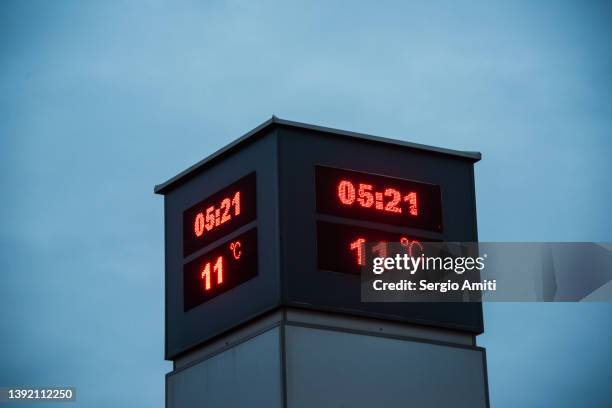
column 348, row 248
column 389, row 199
column 217, row 269
column 221, row 269
column 380, row 249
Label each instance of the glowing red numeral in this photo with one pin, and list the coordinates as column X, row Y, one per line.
column 210, row 218
column 413, row 204
column 381, row 249
column 206, row 276
column 392, row 205
column 217, row 269
column 198, row 225
column 366, row 199
column 225, row 206
column 358, row 246
column 346, row 192
column 236, row 203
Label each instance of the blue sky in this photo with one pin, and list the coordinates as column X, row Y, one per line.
column 100, row 101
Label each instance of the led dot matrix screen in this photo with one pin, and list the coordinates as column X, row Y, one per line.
column 219, row 214
column 230, row 263
column 226, row 266
column 342, row 247
column 376, row 198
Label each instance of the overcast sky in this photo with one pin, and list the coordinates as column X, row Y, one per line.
column 101, row 101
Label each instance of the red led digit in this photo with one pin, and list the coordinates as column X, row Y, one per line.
column 366, row 199
column 210, row 218
column 396, row 196
column 380, row 249
column 357, row 246
column 236, row 203
column 198, row 225
column 226, row 205
column 206, row 276
column 346, row 192
column 413, row 204
column 219, row 270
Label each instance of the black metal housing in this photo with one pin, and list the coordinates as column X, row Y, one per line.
column 283, row 154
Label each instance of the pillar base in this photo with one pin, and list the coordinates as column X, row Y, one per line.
column 294, row 358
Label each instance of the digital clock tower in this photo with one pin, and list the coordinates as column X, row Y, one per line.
column 264, row 242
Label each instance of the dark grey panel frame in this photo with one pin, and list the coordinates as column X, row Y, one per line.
column 284, row 155
column 303, row 285
column 185, row 330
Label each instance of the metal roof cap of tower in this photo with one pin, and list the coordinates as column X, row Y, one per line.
column 274, row 121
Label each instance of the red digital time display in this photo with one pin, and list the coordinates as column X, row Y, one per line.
column 226, row 266
column 219, row 214
column 347, row 248
column 371, row 197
